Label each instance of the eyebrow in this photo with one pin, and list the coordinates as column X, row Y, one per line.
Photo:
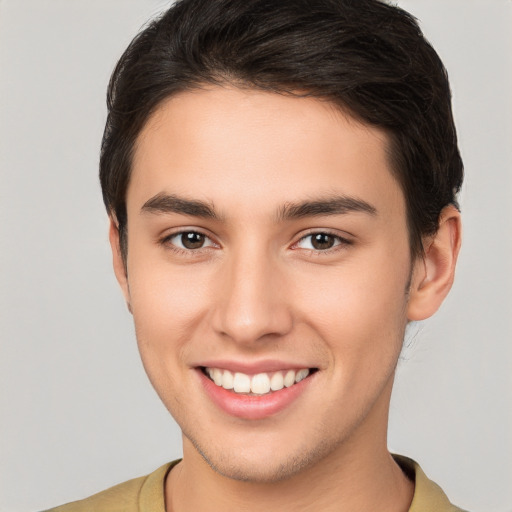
column 337, row 205
column 170, row 203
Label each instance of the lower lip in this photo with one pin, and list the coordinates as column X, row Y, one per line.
column 253, row 407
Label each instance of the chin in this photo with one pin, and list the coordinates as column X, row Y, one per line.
column 259, row 465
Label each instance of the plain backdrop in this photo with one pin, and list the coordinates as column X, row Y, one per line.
column 77, row 413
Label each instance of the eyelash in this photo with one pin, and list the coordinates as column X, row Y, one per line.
column 166, row 241
column 340, row 242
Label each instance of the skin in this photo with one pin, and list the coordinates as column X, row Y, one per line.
column 258, row 289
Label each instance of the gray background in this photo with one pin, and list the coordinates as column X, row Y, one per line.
column 77, row 413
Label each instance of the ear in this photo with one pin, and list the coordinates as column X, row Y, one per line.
column 433, row 273
column 118, row 261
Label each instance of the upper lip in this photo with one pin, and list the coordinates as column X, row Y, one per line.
column 253, row 367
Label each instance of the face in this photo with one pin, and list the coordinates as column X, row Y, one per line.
column 267, row 250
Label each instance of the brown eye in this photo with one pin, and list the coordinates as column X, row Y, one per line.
column 189, row 241
column 322, row 241
column 192, row 240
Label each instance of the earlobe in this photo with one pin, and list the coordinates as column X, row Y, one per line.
column 433, row 273
column 118, row 260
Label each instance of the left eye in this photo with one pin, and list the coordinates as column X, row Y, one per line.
column 190, row 240
column 319, row 241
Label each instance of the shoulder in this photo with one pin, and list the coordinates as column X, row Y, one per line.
column 136, row 495
column 427, row 494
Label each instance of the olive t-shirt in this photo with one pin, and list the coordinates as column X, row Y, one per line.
column 146, row 494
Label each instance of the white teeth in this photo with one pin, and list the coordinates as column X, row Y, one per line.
column 301, row 375
column 277, row 381
column 227, row 380
column 217, row 376
column 259, row 384
column 289, row 378
column 242, row 383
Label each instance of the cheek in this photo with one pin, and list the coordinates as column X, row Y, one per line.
column 360, row 310
column 168, row 303
column 166, row 297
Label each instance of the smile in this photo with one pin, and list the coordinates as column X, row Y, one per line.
column 249, row 392
column 259, row 384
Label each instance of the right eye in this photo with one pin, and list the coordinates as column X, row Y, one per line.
column 189, row 240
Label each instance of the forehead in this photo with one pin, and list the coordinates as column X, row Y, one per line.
column 249, row 148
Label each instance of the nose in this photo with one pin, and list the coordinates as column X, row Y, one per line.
column 252, row 304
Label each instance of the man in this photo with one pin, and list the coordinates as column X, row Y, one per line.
column 281, row 182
